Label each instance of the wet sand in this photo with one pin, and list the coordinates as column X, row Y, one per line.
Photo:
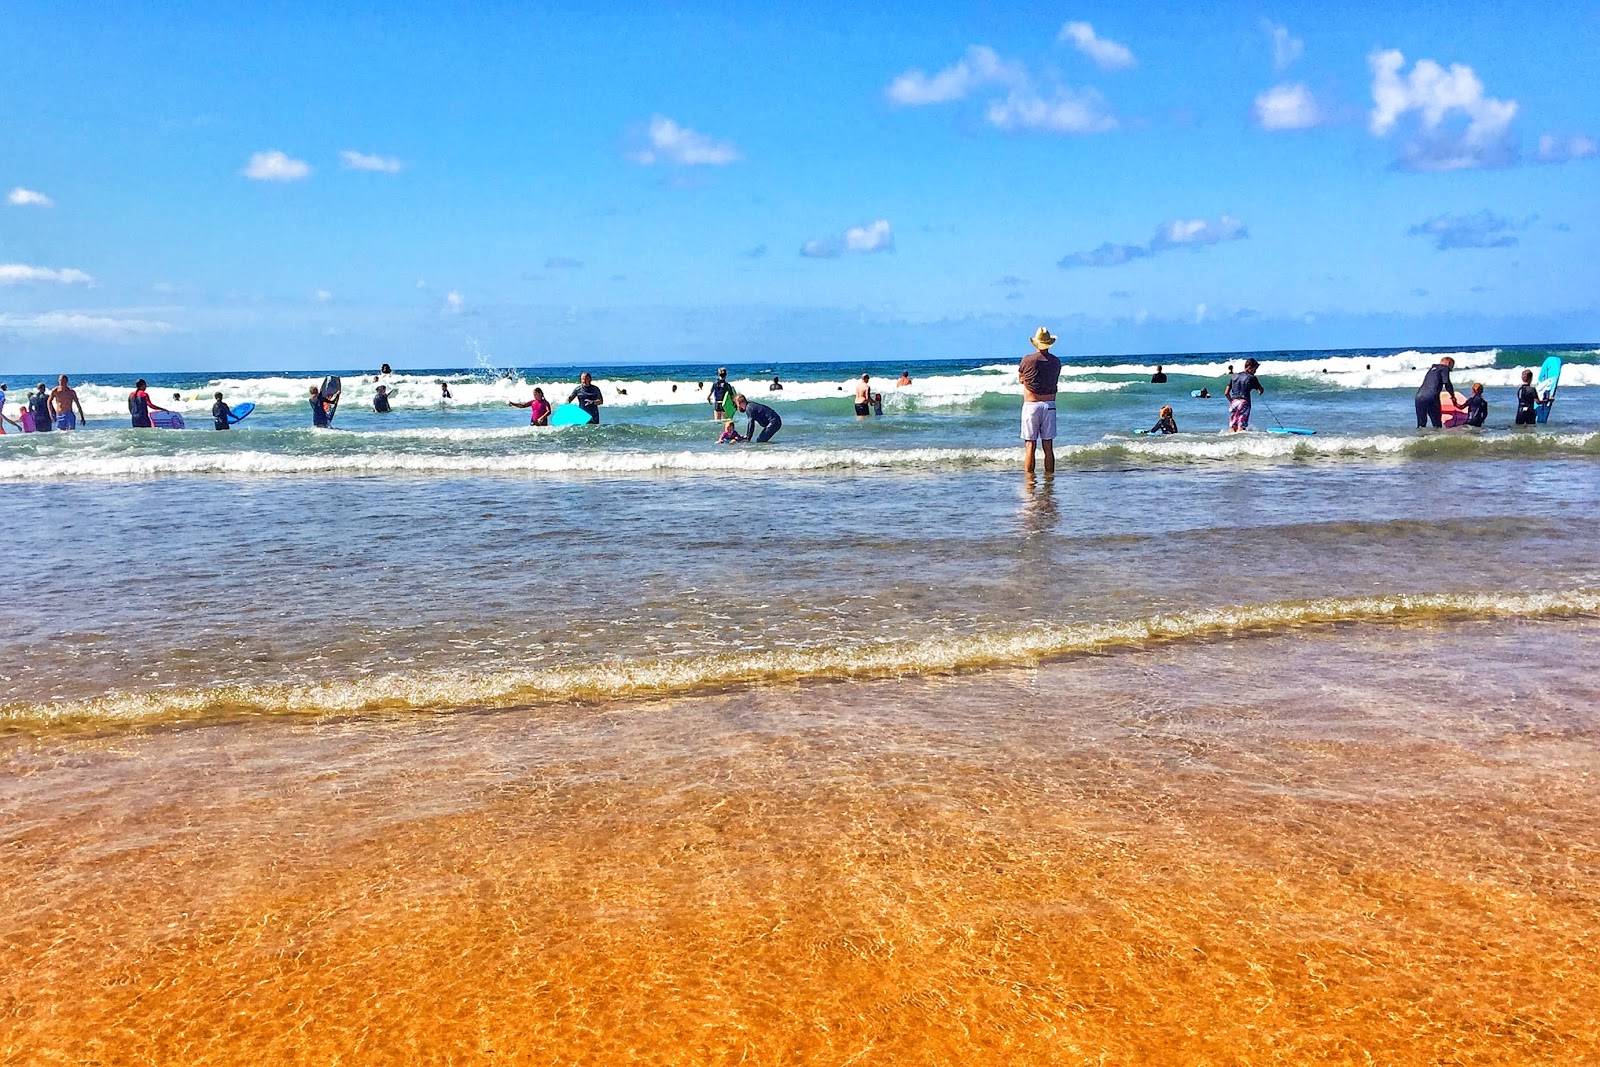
column 1269, row 849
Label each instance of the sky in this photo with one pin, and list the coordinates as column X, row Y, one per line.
column 287, row 186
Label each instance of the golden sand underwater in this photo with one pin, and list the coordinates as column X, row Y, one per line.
column 1362, row 844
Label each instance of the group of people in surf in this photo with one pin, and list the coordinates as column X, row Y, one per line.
column 1473, row 410
column 43, row 411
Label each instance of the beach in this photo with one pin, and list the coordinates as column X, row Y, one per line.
column 442, row 738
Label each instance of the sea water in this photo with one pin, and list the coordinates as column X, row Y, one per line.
column 438, row 736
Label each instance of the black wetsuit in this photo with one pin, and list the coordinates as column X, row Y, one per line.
column 588, row 398
column 1434, row 383
column 39, row 404
column 1477, row 410
column 319, row 413
column 380, row 403
column 221, row 415
column 759, row 414
column 719, row 392
column 139, row 408
column 1158, row 378
column 1527, row 406
column 1165, row 424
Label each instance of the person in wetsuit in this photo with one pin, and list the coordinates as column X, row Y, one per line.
column 719, row 392
column 39, row 408
column 319, row 410
column 1477, row 406
column 140, row 406
column 587, row 396
column 1159, row 377
column 221, row 414
column 759, row 415
column 1166, row 423
column 1527, row 401
column 1435, row 384
column 380, row 400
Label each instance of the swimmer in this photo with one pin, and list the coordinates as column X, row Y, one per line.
column 1166, row 423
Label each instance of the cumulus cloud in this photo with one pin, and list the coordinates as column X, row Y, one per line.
column 1178, row 233
column 22, row 274
column 107, row 328
column 1064, row 111
column 20, row 197
column 1287, row 107
column 275, row 166
column 671, row 143
column 562, row 263
column 1285, row 48
column 1554, row 149
column 1456, row 127
column 876, row 236
column 1481, row 230
column 978, row 67
column 1107, row 55
column 453, row 302
column 351, row 160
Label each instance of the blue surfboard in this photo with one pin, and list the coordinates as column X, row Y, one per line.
column 1545, row 386
column 240, row 412
column 569, row 415
column 1291, row 429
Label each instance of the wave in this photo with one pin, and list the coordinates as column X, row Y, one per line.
column 464, row 452
column 453, row 690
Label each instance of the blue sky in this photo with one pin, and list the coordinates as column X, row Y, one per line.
column 288, row 187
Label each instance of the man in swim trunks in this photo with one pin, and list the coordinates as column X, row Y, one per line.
column 1240, row 386
column 63, row 401
column 1434, row 384
column 760, row 415
column 1040, row 374
column 864, row 396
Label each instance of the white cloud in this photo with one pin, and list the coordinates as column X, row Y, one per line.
column 979, row 66
column 1107, row 55
column 20, row 197
column 1285, row 49
column 1287, row 107
column 876, row 236
column 350, row 160
column 1553, row 149
column 1482, row 230
column 453, row 302
column 322, row 296
column 21, row 273
column 77, row 324
column 274, row 166
column 671, row 143
column 1066, row 111
column 1458, row 127
column 1178, row 233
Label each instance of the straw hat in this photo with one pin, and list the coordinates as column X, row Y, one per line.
column 1043, row 338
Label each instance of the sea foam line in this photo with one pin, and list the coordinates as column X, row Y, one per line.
column 629, row 680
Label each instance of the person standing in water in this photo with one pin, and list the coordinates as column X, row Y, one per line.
column 864, row 396
column 1240, row 386
column 1434, row 385
column 39, row 408
column 1527, row 401
column 538, row 408
column 1477, row 406
column 221, row 414
column 321, row 416
column 718, row 396
column 587, row 396
column 1159, row 377
column 63, row 402
column 4, row 418
column 380, row 400
column 1040, row 375
column 759, row 415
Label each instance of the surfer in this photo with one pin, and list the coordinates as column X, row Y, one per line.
column 759, row 415
column 39, row 408
column 538, row 408
column 63, row 403
column 1434, row 383
column 1040, row 374
column 864, row 396
column 221, row 414
column 587, row 396
column 380, row 400
column 1240, row 386
column 1159, row 377
column 1202, row 393
column 718, row 395
column 1166, row 423
column 1477, row 406
column 140, row 406
column 1527, row 401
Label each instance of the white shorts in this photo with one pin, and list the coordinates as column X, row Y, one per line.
column 1038, row 420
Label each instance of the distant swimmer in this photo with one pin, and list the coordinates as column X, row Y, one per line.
column 1477, row 406
column 538, row 408
column 1435, row 383
column 1527, row 401
column 63, row 403
column 1159, row 377
column 904, row 379
column 380, row 400
column 444, row 392
column 776, row 386
column 718, row 396
column 759, row 415
column 864, row 396
column 1166, row 423
column 587, row 396
column 1040, row 375
column 1240, row 386
column 383, row 372
column 730, row 433
column 221, row 414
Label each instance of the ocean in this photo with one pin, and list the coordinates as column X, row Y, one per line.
column 437, row 736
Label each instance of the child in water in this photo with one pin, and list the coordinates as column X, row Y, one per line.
column 538, row 408
column 380, row 400
column 1527, row 401
column 1477, row 406
column 1166, row 423
column 221, row 414
column 729, row 434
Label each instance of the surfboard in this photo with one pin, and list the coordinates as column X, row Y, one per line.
column 1301, row 431
column 569, row 415
column 730, row 410
column 240, row 412
column 166, row 420
column 1196, row 393
column 330, row 391
column 1545, row 385
column 1452, row 410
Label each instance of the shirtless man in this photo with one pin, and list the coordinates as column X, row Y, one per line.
column 864, row 396
column 63, row 399
column 1040, row 373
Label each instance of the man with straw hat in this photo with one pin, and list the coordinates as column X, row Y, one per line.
column 1040, row 372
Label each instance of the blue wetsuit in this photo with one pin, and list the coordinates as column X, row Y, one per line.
column 759, row 414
